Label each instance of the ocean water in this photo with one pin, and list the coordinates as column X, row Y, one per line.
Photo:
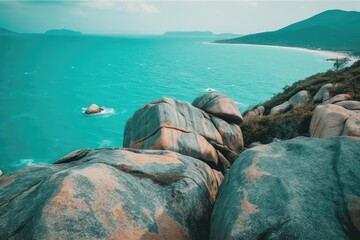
column 47, row 81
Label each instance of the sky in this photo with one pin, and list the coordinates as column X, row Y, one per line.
column 157, row 17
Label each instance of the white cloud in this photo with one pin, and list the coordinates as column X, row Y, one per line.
column 139, row 7
column 253, row 3
column 130, row 6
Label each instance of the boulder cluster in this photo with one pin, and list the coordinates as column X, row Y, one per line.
column 207, row 130
column 183, row 174
column 333, row 116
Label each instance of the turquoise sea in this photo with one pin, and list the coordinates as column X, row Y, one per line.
column 46, row 81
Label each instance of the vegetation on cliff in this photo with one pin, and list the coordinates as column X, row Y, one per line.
column 334, row 30
column 296, row 122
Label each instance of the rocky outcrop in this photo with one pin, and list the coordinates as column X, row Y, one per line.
column 258, row 111
column 209, row 131
column 332, row 120
column 93, row 108
column 349, row 105
column 280, row 108
column 297, row 189
column 300, row 98
column 323, row 94
column 219, row 106
column 337, row 98
column 110, row 194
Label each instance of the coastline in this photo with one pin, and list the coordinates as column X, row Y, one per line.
column 325, row 53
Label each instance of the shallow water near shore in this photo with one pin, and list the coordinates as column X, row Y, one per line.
column 47, row 81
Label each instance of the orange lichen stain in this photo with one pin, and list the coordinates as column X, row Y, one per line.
column 247, row 209
column 169, row 228
column 64, row 200
column 127, row 228
column 167, row 139
column 246, row 206
column 354, row 210
column 101, row 176
column 208, row 152
column 253, row 172
column 141, row 159
column 6, row 180
column 118, row 212
column 216, row 178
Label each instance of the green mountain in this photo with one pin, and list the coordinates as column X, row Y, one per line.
column 335, row 30
column 66, row 32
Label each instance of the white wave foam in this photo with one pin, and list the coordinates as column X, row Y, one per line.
column 211, row 90
column 106, row 112
column 105, row 143
column 24, row 162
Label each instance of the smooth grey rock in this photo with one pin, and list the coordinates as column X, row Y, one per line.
column 93, row 108
column 110, row 194
column 219, row 106
column 178, row 126
column 300, row 98
column 324, row 93
column 337, row 98
column 258, row 111
column 296, row 189
column 280, row 108
column 331, row 120
column 349, row 105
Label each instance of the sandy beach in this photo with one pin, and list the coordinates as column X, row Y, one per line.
column 325, row 53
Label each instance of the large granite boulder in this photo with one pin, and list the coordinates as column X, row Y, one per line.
column 297, row 189
column 220, row 106
column 324, row 93
column 93, row 108
column 337, row 98
column 333, row 120
column 281, row 108
column 258, row 111
column 349, row 105
column 178, row 126
column 300, row 98
column 110, row 194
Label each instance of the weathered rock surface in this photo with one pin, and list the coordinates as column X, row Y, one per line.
column 296, row 189
column 349, row 105
column 110, row 194
column 258, row 111
column 300, row 98
column 178, row 126
column 324, row 93
column 332, row 120
column 93, row 108
column 280, row 108
column 219, row 106
column 337, row 98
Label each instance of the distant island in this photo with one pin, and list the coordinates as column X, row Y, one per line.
column 334, row 30
column 198, row 34
column 4, row 31
column 66, row 32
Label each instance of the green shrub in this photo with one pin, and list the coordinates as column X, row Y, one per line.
column 281, row 126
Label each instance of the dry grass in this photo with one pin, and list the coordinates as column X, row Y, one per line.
column 297, row 121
